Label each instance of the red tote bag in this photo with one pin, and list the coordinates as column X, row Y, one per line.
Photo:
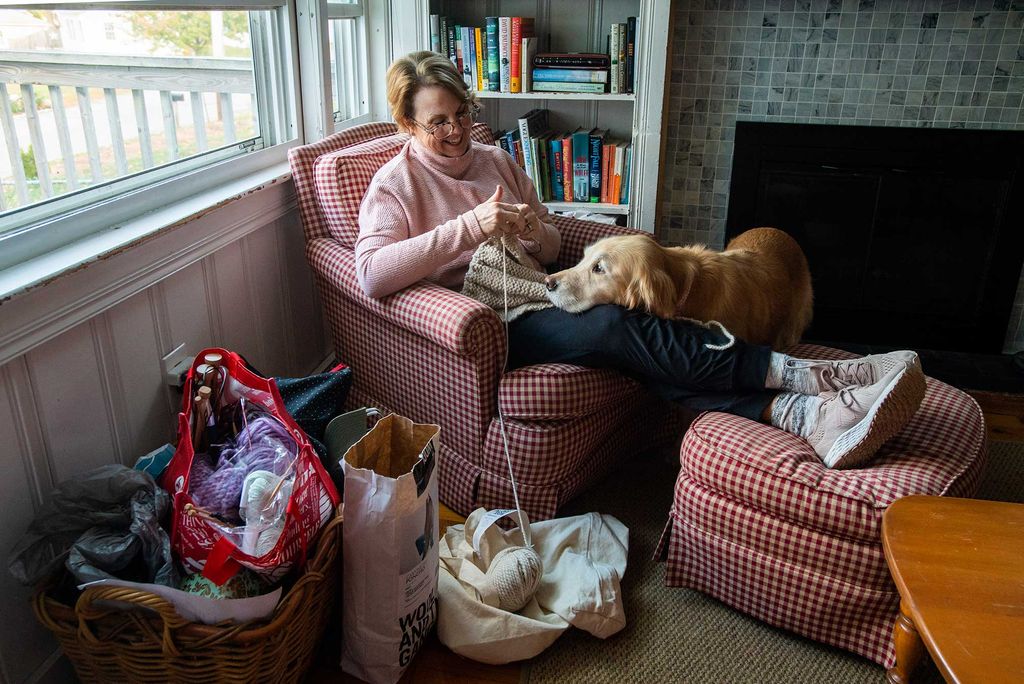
column 199, row 542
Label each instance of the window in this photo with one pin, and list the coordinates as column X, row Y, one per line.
column 347, row 48
column 183, row 99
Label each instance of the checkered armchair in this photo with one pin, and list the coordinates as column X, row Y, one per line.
column 435, row 356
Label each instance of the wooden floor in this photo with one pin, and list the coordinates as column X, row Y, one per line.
column 435, row 664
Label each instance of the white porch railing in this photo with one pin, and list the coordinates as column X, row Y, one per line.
column 71, row 148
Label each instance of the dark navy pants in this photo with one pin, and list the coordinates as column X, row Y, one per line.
column 669, row 357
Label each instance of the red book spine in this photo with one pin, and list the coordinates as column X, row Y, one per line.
column 515, row 48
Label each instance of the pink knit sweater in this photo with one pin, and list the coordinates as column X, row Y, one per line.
column 416, row 221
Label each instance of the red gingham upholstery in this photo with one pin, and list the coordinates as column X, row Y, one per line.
column 433, row 355
column 759, row 523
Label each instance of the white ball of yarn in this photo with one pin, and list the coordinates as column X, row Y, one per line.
column 514, row 575
column 257, row 489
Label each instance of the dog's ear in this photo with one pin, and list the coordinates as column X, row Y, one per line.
column 652, row 289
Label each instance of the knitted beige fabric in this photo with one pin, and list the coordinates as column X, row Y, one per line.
column 484, row 279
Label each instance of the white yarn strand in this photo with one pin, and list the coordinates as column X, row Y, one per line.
column 501, row 418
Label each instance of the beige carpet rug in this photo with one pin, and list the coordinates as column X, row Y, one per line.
column 680, row 635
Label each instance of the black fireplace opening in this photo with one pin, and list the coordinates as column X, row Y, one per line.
column 915, row 237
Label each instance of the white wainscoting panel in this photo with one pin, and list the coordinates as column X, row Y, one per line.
column 25, row 643
column 94, row 393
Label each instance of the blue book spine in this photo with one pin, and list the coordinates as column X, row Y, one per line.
column 595, row 168
column 503, row 143
column 571, row 75
column 581, row 167
column 555, row 159
column 510, row 140
column 493, row 59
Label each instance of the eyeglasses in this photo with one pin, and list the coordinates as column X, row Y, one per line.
column 443, row 130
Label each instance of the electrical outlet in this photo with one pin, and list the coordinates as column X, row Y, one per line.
column 175, row 366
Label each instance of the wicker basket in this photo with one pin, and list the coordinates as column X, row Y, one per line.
column 157, row 645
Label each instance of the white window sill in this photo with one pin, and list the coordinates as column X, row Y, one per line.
column 42, row 270
column 42, row 297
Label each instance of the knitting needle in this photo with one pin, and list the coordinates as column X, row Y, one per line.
column 200, row 415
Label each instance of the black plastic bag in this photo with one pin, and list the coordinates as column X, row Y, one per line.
column 102, row 524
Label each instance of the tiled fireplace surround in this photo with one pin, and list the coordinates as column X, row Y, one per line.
column 920, row 63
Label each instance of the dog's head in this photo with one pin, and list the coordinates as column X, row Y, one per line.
column 629, row 270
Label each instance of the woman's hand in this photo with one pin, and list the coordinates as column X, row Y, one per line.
column 499, row 218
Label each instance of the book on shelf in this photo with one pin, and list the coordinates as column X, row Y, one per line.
column 468, row 61
column 435, row 32
column 442, row 25
column 630, row 50
column 555, row 158
column 526, row 54
column 500, row 141
column 493, row 61
column 531, row 125
column 567, row 167
column 478, row 58
column 451, row 45
column 581, row 165
column 614, row 41
column 570, row 75
column 544, row 165
column 606, row 177
column 627, row 172
column 567, row 87
column 504, row 34
column 458, row 51
column 579, row 60
column 596, row 140
column 520, row 27
column 622, row 57
column 617, row 169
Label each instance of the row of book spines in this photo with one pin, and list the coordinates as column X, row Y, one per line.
column 574, row 167
column 622, row 52
column 488, row 57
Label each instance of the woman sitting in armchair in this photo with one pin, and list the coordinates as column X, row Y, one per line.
column 428, row 209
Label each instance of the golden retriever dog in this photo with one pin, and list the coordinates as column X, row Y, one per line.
column 759, row 287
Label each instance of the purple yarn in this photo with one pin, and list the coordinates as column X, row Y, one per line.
column 263, row 444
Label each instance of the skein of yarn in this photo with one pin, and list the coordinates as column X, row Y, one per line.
column 263, row 445
column 264, row 499
column 514, row 576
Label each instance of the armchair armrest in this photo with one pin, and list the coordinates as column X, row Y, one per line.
column 455, row 322
column 577, row 234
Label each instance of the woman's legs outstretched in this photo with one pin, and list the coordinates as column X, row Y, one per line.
column 672, row 358
column 844, row 409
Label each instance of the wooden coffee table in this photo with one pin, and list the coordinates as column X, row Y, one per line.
column 959, row 568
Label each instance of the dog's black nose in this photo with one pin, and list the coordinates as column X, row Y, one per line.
column 551, row 284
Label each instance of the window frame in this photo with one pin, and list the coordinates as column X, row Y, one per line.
column 38, row 230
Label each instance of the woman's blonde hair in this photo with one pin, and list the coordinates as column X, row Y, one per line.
column 423, row 69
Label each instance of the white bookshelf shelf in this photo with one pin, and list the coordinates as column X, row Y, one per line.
column 594, row 97
column 593, row 207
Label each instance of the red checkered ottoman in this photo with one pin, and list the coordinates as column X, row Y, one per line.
column 760, row 524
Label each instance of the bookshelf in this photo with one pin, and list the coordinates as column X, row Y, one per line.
column 583, row 26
